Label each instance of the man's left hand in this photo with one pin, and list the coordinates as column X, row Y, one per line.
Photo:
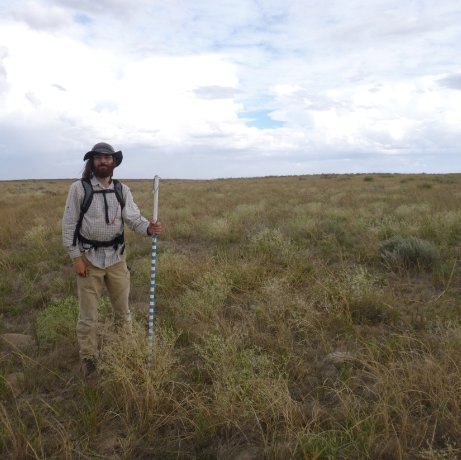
column 154, row 228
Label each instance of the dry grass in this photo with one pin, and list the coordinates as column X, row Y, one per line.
column 281, row 330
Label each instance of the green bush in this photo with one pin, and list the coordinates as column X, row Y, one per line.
column 409, row 253
column 57, row 321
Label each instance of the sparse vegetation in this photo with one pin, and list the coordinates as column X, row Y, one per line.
column 310, row 317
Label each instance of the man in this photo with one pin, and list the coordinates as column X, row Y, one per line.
column 94, row 239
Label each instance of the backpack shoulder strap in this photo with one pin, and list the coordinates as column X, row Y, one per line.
column 88, row 197
column 84, row 205
column 119, row 192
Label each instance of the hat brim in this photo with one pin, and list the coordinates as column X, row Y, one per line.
column 118, row 156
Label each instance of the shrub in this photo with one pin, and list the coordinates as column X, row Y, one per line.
column 57, row 321
column 409, row 253
column 203, row 302
column 425, row 185
column 242, row 377
column 271, row 244
column 356, row 294
column 218, row 229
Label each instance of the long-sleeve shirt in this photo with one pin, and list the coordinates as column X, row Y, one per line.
column 94, row 225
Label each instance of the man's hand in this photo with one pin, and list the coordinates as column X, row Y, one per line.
column 80, row 267
column 154, row 228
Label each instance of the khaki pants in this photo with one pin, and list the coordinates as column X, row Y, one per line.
column 117, row 281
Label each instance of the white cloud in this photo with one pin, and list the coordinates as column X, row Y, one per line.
column 452, row 81
column 350, row 82
column 40, row 16
column 216, row 92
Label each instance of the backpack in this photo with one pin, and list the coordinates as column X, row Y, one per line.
column 119, row 240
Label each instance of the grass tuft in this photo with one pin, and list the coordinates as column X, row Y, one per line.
column 57, row 322
column 409, row 253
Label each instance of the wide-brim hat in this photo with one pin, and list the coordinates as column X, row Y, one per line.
column 105, row 149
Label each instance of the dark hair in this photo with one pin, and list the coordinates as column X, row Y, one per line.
column 88, row 169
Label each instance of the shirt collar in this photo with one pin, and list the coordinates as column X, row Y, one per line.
column 96, row 183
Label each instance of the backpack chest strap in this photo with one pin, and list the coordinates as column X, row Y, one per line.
column 106, row 206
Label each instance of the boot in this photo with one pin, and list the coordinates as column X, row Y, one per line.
column 88, row 367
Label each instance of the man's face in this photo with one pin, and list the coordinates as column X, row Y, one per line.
column 103, row 165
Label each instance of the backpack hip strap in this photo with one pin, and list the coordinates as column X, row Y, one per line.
column 119, row 240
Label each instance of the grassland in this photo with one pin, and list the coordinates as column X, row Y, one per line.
column 310, row 317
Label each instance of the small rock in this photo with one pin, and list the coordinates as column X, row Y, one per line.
column 109, row 444
column 339, row 357
column 333, row 362
column 329, row 372
column 248, row 453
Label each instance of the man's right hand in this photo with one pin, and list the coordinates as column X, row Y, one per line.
column 80, row 267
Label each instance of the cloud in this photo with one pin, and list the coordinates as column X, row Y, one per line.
column 210, row 89
column 112, row 7
column 451, row 81
column 33, row 99
column 42, row 17
column 216, row 92
column 59, row 87
column 3, row 71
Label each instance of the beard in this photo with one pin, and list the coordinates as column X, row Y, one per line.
column 103, row 171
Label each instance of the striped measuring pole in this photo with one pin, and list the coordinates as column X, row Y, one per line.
column 150, row 336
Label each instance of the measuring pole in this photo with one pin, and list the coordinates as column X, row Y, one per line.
column 150, row 336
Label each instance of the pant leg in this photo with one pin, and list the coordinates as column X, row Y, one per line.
column 118, row 286
column 89, row 293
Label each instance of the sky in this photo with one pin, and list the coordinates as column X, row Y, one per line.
column 203, row 89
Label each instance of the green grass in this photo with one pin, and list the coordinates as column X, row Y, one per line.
column 57, row 322
column 310, row 317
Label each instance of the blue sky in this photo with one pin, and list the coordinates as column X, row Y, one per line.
column 217, row 88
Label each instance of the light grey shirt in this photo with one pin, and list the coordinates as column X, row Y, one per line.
column 94, row 225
